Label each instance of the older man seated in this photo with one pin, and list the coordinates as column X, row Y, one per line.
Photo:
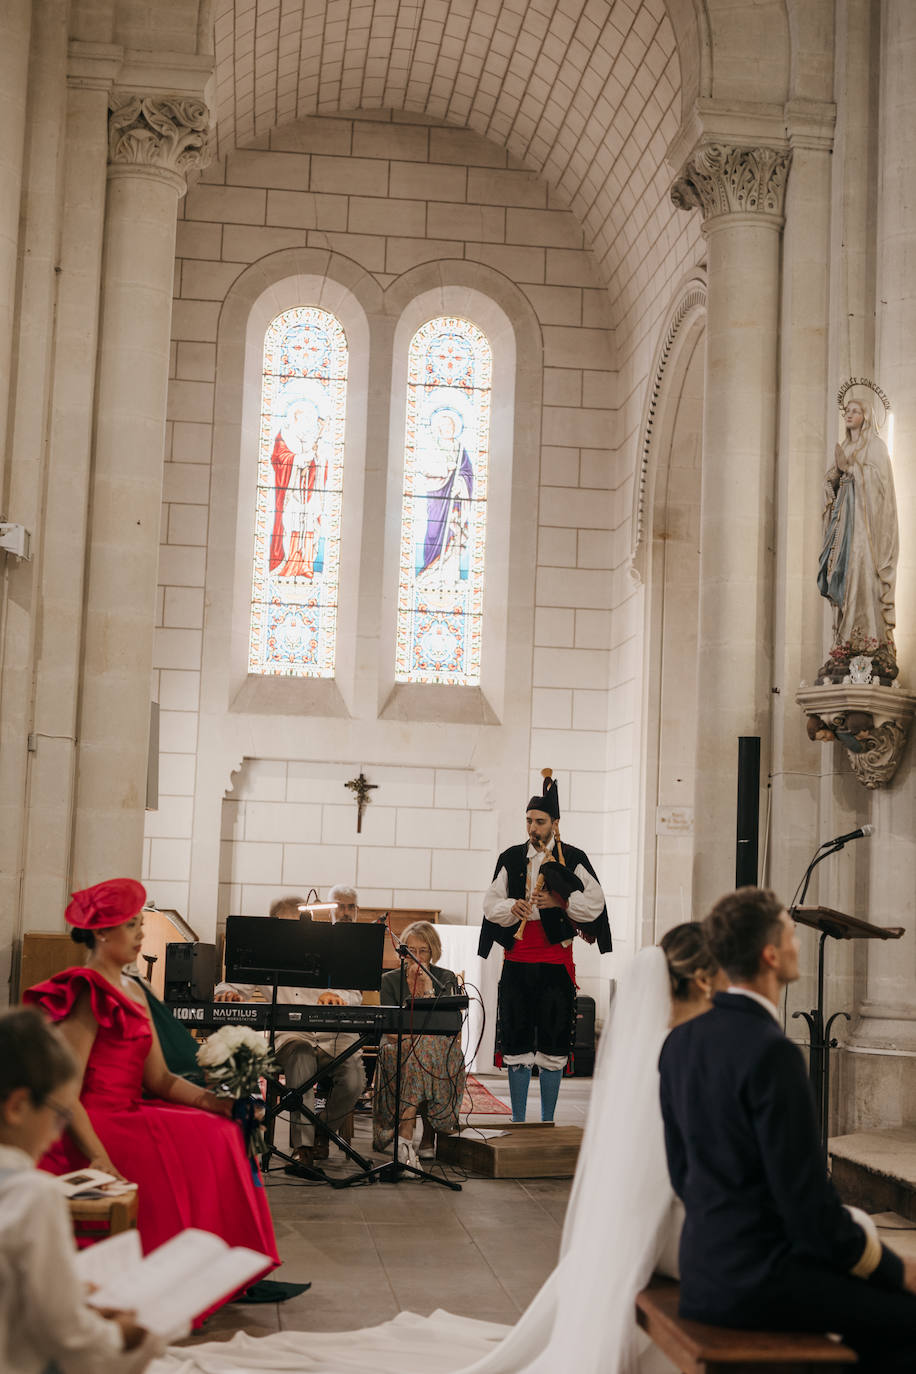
column 347, row 909
column 301, row 1054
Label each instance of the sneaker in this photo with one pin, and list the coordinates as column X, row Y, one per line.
column 428, row 1149
column 407, row 1154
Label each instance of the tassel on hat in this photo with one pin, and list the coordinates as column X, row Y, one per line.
column 548, row 801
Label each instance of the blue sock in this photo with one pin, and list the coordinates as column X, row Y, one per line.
column 519, row 1078
column 549, row 1080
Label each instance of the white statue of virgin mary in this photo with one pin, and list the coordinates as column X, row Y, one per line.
column 858, row 562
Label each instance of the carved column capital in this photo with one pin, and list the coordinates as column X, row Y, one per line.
column 165, row 135
column 724, row 179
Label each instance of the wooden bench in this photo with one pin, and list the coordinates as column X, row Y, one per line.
column 696, row 1348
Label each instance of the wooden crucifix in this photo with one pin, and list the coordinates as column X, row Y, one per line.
column 361, row 788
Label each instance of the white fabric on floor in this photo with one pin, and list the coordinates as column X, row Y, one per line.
column 407, row 1345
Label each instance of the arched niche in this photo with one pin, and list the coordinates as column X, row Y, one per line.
column 665, row 558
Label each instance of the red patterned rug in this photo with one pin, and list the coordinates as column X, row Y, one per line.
column 478, row 1099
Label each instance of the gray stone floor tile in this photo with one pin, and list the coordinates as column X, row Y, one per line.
column 371, row 1251
column 256, row 1319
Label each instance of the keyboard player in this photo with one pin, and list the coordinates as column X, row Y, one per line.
column 301, row 1054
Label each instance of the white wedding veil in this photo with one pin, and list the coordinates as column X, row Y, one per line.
column 621, row 1203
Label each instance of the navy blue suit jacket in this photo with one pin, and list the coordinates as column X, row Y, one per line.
column 745, row 1159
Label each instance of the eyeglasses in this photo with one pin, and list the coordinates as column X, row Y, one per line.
column 63, row 1114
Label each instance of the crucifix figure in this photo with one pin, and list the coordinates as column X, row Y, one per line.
column 361, row 787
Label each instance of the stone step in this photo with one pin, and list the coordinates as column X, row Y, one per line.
column 876, row 1170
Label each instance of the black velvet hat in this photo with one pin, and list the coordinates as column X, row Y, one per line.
column 549, row 801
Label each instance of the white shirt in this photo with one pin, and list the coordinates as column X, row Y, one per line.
column 757, row 997
column 583, row 906
column 331, row 1042
column 43, row 1312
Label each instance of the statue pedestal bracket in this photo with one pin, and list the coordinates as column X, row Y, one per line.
column 870, row 721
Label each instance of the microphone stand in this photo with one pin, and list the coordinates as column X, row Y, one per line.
column 395, row 1170
column 820, row 1040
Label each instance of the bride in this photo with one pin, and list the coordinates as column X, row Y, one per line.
column 622, row 1223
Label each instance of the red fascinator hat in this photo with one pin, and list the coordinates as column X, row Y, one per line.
column 106, row 904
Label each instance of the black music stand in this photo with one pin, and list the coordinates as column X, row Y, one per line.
column 838, row 926
column 303, row 954
column 394, row 1170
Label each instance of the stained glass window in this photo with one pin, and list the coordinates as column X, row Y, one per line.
column 444, row 505
column 300, row 486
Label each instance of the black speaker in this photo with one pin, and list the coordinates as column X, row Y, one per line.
column 584, row 1050
column 748, row 825
column 190, row 972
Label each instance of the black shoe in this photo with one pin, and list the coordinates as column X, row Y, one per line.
column 305, row 1171
column 267, row 1290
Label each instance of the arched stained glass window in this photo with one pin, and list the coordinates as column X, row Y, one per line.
column 444, row 507
column 300, row 487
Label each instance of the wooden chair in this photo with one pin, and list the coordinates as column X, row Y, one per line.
column 96, row 1218
column 696, row 1348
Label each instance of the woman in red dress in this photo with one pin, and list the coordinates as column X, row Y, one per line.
column 135, row 1119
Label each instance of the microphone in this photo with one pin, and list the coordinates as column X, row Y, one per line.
column 861, row 834
column 824, row 851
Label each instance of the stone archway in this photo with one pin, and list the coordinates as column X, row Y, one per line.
column 665, row 556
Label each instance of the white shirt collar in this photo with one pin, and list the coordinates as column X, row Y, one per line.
column 533, row 851
column 11, row 1157
column 757, row 997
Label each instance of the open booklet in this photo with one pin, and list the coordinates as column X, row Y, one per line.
column 171, row 1286
column 93, row 1183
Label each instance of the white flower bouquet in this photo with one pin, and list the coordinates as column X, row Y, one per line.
column 234, row 1060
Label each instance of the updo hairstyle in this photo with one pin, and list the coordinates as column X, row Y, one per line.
column 687, row 952
column 79, row 936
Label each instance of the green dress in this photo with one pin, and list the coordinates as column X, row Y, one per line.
column 179, row 1048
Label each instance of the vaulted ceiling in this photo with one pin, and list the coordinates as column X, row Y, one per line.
column 584, row 92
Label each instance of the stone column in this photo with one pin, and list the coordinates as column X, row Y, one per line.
column 48, row 813
column 153, row 141
column 883, row 1048
column 740, row 191
column 15, row 33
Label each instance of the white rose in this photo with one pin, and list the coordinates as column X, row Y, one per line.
column 227, row 1041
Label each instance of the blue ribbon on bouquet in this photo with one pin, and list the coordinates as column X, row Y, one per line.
column 249, row 1113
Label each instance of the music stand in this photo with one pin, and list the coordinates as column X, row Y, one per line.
column 838, row 926
column 304, row 955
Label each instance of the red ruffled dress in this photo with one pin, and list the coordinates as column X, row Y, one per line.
column 190, row 1166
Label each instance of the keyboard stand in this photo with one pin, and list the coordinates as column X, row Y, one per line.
column 293, row 1099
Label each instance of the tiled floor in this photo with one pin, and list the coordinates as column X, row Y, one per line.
column 371, row 1251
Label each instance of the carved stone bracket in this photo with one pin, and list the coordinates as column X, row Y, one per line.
column 722, row 179
column 871, row 722
column 168, row 133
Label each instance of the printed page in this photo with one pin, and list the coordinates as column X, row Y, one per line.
column 93, row 1183
column 112, row 1258
column 185, row 1276
column 170, row 1315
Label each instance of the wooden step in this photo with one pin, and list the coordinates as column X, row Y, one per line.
column 527, row 1150
column 876, row 1170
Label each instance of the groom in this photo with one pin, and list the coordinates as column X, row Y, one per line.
column 767, row 1244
